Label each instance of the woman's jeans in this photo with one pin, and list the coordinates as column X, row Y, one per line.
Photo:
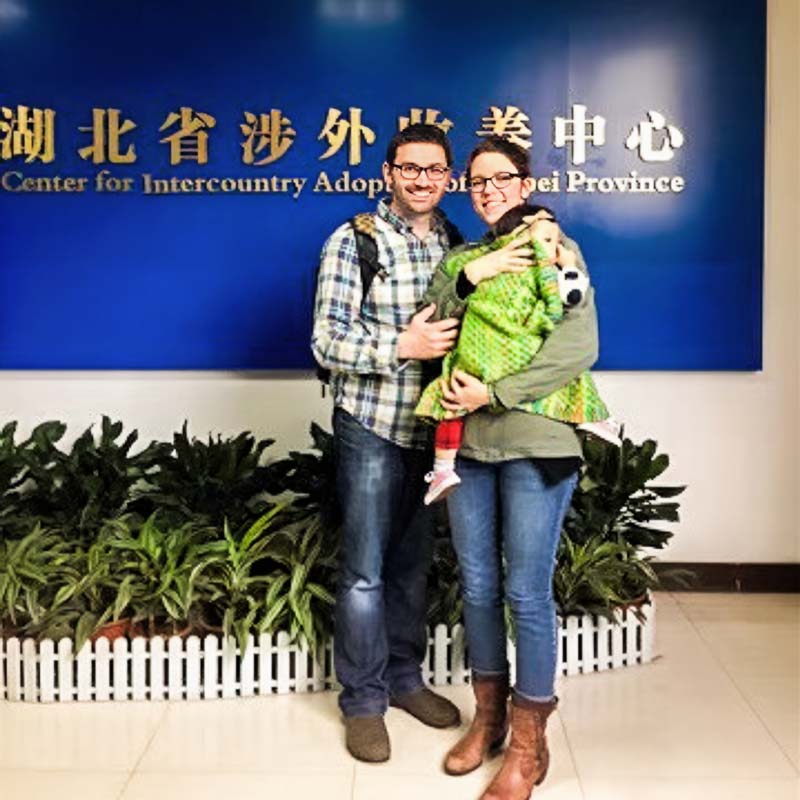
column 507, row 508
column 380, row 638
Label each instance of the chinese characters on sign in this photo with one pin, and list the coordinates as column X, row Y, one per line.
column 106, row 132
column 272, row 131
column 641, row 137
column 190, row 141
column 510, row 123
column 579, row 132
column 29, row 133
column 337, row 130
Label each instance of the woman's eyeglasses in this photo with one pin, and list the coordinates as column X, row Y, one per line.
column 500, row 179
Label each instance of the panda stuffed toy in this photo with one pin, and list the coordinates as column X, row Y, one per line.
column 572, row 286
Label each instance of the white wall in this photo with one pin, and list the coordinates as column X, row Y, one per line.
column 733, row 437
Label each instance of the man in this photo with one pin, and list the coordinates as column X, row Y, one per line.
column 373, row 346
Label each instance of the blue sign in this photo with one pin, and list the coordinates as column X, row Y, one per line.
column 168, row 176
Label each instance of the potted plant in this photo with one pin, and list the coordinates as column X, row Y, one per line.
column 603, row 558
column 155, row 570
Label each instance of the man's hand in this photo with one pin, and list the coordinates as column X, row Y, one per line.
column 464, row 392
column 425, row 340
column 517, row 256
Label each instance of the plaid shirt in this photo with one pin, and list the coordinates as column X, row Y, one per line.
column 355, row 337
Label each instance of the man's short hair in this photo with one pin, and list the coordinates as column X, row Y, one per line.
column 417, row 134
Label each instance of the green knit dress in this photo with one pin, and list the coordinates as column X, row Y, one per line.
column 508, row 317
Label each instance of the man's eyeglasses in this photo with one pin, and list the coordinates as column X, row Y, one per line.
column 412, row 171
column 500, row 179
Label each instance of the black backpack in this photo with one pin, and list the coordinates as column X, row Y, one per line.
column 367, row 250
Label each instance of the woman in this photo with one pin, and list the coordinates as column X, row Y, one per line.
column 518, row 471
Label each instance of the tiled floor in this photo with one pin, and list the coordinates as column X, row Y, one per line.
column 715, row 717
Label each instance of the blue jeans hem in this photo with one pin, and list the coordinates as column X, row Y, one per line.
column 488, row 673
column 534, row 698
column 407, row 687
column 365, row 709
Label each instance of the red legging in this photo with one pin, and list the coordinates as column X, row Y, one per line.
column 449, row 433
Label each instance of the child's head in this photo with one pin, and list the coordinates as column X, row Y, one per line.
column 518, row 215
column 541, row 220
column 546, row 232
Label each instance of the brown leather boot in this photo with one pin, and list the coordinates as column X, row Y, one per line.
column 527, row 757
column 488, row 729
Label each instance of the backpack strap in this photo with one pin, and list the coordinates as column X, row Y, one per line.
column 367, row 249
column 366, row 235
column 367, row 252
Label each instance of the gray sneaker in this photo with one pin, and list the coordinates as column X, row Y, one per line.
column 367, row 738
column 429, row 708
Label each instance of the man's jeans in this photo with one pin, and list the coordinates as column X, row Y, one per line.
column 510, row 502
column 380, row 638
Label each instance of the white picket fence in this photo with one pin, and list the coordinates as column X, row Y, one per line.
column 195, row 669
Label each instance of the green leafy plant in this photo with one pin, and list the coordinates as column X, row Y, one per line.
column 276, row 576
column 445, row 605
column 598, row 576
column 236, row 588
column 194, row 535
column 601, row 564
column 32, row 571
column 300, row 592
column 310, row 478
column 209, row 482
column 614, row 498
column 156, row 571
column 77, row 491
column 13, row 474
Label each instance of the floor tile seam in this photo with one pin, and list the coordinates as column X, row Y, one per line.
column 682, row 612
column 243, row 769
column 572, row 757
column 660, row 657
column 70, row 770
column 699, row 779
column 784, row 599
column 745, row 698
column 727, row 630
column 126, row 783
column 709, row 777
column 230, row 770
column 137, row 763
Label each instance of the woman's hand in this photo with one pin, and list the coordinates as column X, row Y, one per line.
column 465, row 392
column 517, row 256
